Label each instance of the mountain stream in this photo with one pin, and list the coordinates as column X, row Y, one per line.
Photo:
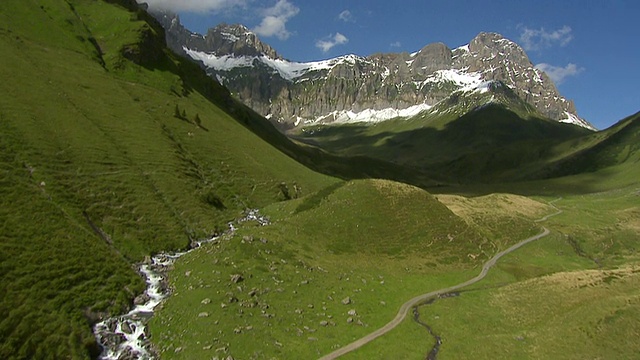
column 126, row 337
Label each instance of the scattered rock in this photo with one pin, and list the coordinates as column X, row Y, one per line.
column 208, row 347
column 187, row 273
column 253, row 292
column 349, row 320
column 126, row 328
column 236, row 278
column 312, row 338
column 178, row 349
column 346, row 301
column 519, row 338
column 237, row 330
column 324, row 323
column 205, row 301
column 352, row 312
column 310, row 306
column 141, row 299
column 203, row 314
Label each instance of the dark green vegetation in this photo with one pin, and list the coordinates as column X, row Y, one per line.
column 112, row 149
column 456, row 143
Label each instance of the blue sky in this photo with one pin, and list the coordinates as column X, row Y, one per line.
column 590, row 47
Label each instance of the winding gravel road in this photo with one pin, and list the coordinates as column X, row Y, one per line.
column 404, row 309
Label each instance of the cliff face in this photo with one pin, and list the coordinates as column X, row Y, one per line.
column 292, row 93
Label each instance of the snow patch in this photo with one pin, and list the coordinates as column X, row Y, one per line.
column 225, row 63
column 462, row 79
column 371, row 115
column 289, row 70
column 229, row 37
column 575, row 120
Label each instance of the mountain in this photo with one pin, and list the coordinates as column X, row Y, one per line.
column 354, row 88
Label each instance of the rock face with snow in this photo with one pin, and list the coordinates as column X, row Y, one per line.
column 354, row 88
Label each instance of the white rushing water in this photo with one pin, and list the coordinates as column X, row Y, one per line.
column 125, row 336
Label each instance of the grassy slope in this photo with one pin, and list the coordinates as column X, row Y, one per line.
column 577, row 296
column 88, row 136
column 377, row 242
column 479, row 146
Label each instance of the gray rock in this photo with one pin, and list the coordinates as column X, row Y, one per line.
column 356, row 83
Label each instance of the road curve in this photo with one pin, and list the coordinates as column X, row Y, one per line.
column 404, row 309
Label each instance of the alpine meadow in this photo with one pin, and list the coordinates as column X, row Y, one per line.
column 171, row 195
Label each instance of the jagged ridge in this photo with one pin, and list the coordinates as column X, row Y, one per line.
column 355, row 88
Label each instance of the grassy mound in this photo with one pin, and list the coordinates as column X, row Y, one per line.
column 332, row 267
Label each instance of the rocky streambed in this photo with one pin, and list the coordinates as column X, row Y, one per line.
column 125, row 337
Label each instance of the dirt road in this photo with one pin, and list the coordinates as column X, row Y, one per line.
column 404, row 309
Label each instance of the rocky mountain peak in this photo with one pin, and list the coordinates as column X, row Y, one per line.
column 237, row 40
column 433, row 57
column 379, row 86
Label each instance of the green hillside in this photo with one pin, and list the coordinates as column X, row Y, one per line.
column 375, row 242
column 481, row 145
column 112, row 149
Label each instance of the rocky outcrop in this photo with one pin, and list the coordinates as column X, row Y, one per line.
column 291, row 93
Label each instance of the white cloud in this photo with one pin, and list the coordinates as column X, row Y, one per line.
column 396, row 44
column 331, row 41
column 558, row 73
column 346, row 16
column 534, row 39
column 197, row 6
column 274, row 21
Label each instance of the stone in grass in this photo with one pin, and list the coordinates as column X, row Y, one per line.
column 236, row 278
column 324, row 323
column 349, row 320
column 352, row 312
column 205, row 301
column 203, row 314
column 346, row 301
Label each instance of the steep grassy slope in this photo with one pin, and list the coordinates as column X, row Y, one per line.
column 98, row 170
column 377, row 243
column 617, row 146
